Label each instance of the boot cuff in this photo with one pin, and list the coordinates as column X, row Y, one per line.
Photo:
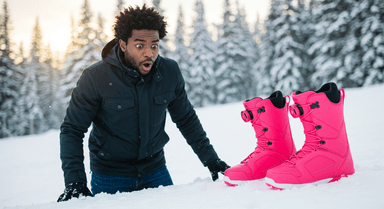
column 277, row 99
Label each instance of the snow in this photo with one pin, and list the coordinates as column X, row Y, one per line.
column 31, row 177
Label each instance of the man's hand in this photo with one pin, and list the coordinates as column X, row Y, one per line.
column 215, row 167
column 77, row 189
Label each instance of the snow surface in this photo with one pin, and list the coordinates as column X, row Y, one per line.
column 31, row 177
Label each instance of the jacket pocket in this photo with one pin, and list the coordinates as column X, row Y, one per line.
column 121, row 112
column 161, row 103
column 117, row 150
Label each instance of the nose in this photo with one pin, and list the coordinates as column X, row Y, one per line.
column 148, row 53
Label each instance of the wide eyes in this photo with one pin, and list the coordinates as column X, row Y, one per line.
column 139, row 46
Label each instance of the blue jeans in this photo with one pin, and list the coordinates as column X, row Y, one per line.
column 113, row 184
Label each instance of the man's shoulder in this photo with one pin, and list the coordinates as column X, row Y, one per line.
column 99, row 68
column 99, row 65
column 168, row 62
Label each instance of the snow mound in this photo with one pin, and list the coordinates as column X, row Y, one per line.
column 31, row 177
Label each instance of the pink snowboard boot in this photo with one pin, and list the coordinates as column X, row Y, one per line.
column 269, row 118
column 325, row 156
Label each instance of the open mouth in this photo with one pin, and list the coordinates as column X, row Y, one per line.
column 147, row 66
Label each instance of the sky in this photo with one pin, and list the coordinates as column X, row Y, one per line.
column 54, row 16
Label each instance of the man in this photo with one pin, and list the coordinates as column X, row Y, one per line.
column 125, row 96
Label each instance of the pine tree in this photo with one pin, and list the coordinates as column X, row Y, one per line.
column 165, row 51
column 21, row 124
column 258, row 30
column 309, row 21
column 201, row 60
column 263, row 66
column 180, row 54
column 369, row 28
column 235, row 56
column 101, row 38
column 67, row 74
column 331, row 47
column 84, row 50
column 227, row 74
column 30, row 89
column 289, row 58
column 51, row 103
column 246, row 54
column 8, row 79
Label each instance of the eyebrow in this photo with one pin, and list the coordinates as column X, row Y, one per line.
column 157, row 40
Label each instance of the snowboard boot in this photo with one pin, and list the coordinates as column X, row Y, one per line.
column 269, row 118
column 325, row 156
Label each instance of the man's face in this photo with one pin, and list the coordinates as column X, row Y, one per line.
column 142, row 49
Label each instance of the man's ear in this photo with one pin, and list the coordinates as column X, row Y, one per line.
column 123, row 45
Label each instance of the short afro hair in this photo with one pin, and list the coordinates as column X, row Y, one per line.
column 137, row 18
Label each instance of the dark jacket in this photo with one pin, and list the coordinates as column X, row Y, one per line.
column 128, row 113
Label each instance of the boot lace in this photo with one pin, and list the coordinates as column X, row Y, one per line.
column 311, row 138
column 262, row 142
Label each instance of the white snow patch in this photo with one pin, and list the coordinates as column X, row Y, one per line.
column 31, row 177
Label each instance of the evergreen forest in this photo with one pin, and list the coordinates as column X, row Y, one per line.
column 300, row 45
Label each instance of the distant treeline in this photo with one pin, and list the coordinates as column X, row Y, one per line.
column 299, row 46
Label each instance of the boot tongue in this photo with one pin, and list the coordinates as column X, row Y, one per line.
column 277, row 99
column 329, row 89
column 332, row 92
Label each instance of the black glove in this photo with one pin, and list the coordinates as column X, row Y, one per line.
column 216, row 166
column 77, row 189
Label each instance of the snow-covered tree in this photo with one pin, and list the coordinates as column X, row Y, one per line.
column 20, row 123
column 307, row 27
column 263, row 66
column 84, row 50
column 164, row 49
column 227, row 74
column 9, row 85
column 67, row 74
column 258, row 33
column 290, row 55
column 30, row 90
column 235, row 56
column 180, row 54
column 247, row 53
column 101, row 38
column 47, row 89
column 368, row 22
column 332, row 46
column 51, row 103
column 201, row 61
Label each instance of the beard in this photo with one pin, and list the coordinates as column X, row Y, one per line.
column 137, row 65
column 131, row 62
